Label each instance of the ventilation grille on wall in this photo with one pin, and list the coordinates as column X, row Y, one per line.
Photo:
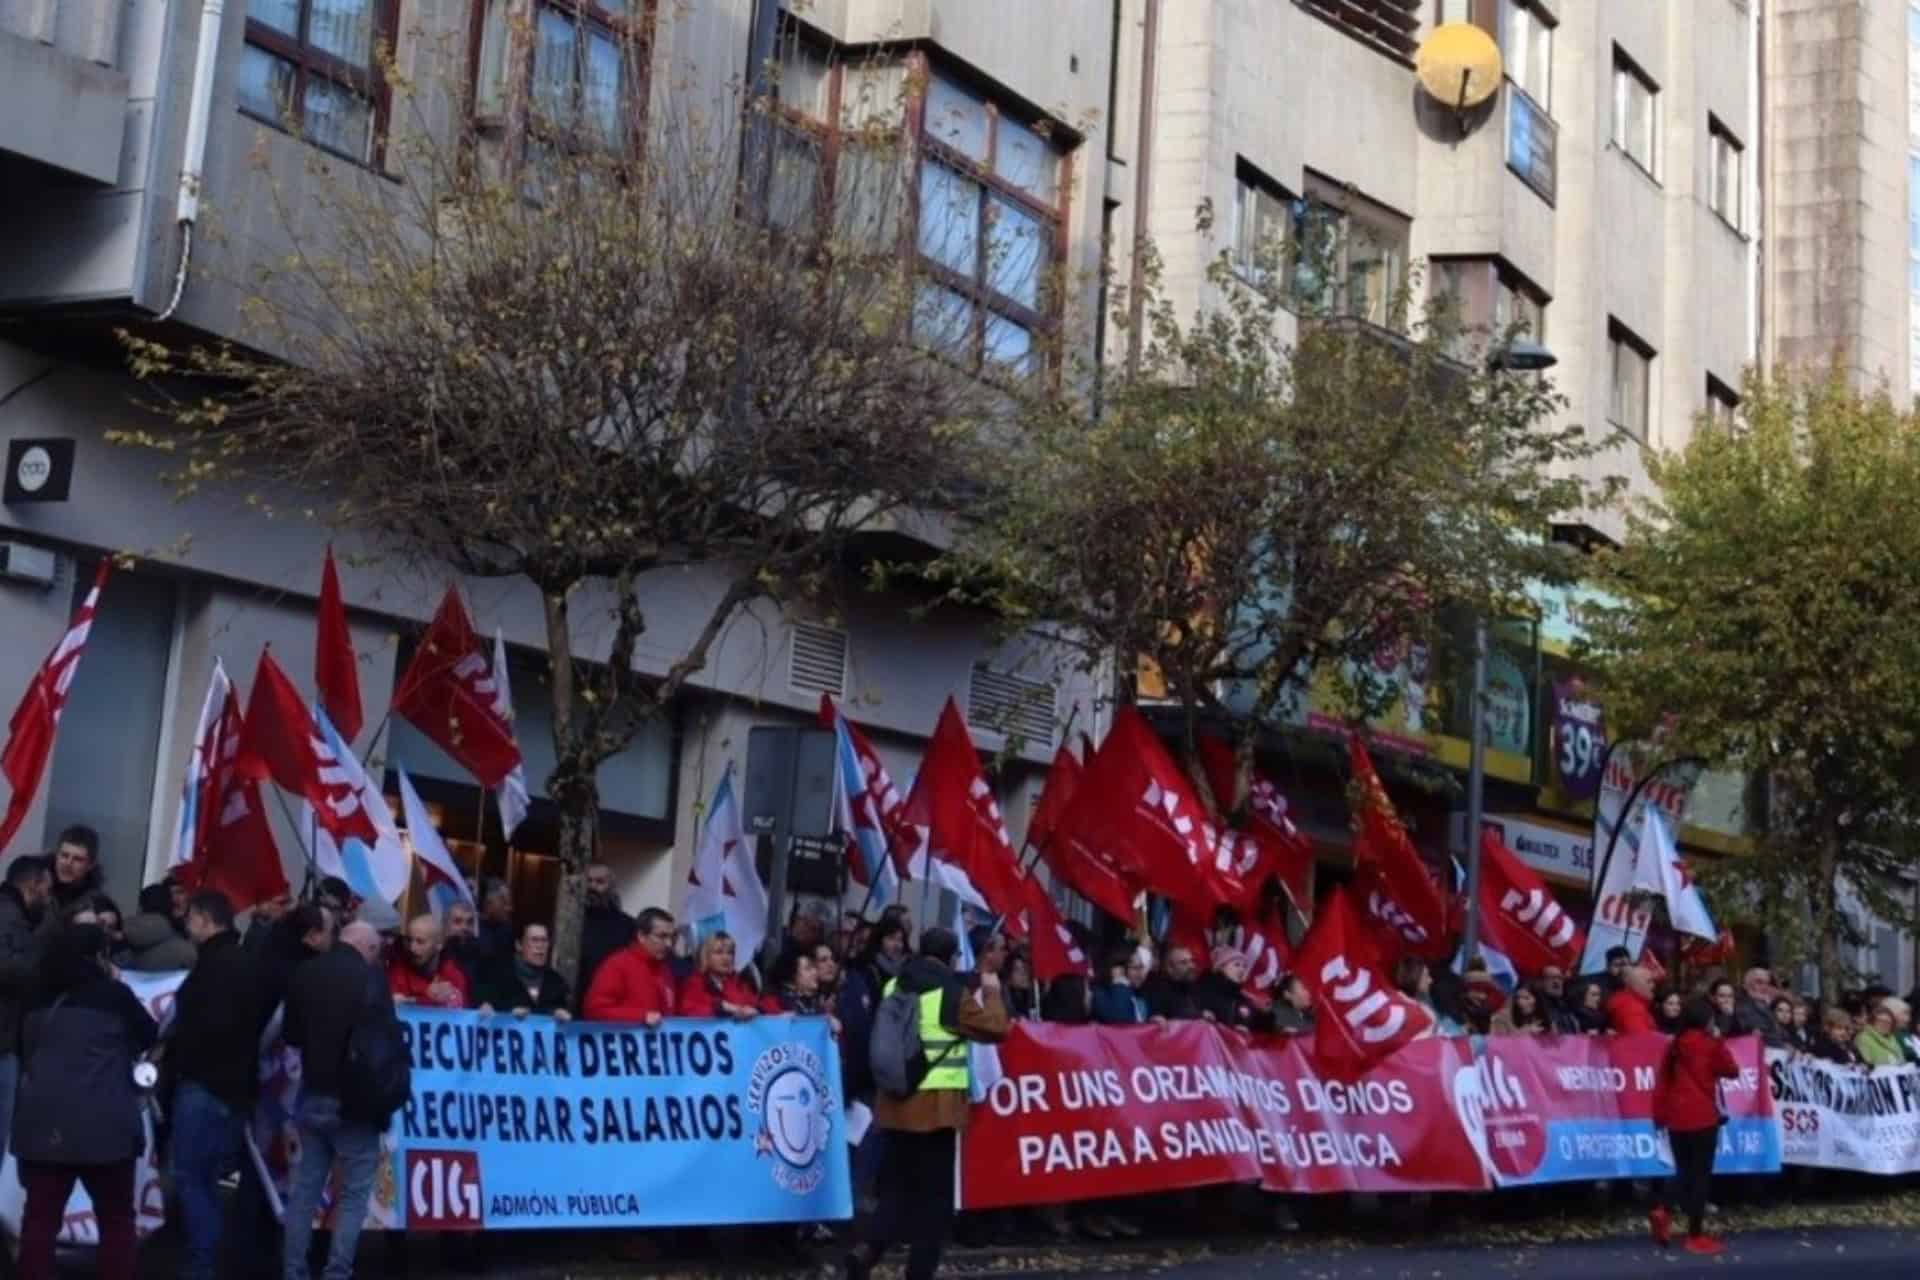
column 1012, row 706
column 817, row 660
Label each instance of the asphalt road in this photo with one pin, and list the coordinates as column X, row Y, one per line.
column 1861, row 1255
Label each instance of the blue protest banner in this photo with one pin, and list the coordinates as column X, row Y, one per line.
column 518, row 1123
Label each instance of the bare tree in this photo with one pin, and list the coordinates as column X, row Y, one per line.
column 590, row 352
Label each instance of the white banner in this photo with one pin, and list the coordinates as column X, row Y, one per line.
column 1619, row 919
column 1835, row 1117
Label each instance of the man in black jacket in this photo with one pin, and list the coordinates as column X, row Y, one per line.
column 607, row 928
column 329, row 996
column 213, row 1051
column 1171, row 993
column 24, row 925
column 76, row 866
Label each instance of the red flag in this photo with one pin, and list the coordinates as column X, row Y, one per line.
column 1063, row 779
column 232, row 848
column 952, row 803
column 1269, row 954
column 1135, row 811
column 1283, row 851
column 336, row 671
column 280, row 742
column 1519, row 916
column 1359, row 1017
column 1055, row 952
column 1395, row 888
column 447, row 693
column 36, row 720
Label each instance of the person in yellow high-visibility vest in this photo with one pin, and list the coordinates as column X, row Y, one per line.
column 916, row 1172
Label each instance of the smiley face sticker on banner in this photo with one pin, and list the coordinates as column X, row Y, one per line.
column 788, row 1091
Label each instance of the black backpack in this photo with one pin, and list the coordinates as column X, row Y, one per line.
column 376, row 1079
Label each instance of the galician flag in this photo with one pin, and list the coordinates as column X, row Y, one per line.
column 512, row 791
column 724, row 892
column 1663, row 873
column 445, row 885
column 865, row 806
column 376, row 869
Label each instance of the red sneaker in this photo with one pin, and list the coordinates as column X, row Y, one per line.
column 1705, row 1246
column 1660, row 1222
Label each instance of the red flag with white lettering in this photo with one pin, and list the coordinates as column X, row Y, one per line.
column 1359, row 1017
column 281, row 743
column 36, row 720
column 1136, row 812
column 448, row 693
column 1396, row 891
column 1519, row 915
column 965, row 835
column 1283, row 851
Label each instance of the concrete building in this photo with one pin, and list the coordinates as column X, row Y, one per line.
column 1603, row 195
column 1842, row 188
column 102, row 107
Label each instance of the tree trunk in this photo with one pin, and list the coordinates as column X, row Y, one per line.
column 579, row 840
column 574, row 789
column 1824, row 898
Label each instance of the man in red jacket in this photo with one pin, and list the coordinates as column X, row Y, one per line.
column 636, row 984
column 424, row 973
column 1630, row 1009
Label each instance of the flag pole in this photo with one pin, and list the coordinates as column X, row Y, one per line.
column 307, row 849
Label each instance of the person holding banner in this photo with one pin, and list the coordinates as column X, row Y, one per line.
column 715, row 988
column 1687, row 1105
column 525, row 982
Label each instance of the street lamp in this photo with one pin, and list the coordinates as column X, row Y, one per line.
column 1522, row 355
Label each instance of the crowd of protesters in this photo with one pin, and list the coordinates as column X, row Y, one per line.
column 75, row 1045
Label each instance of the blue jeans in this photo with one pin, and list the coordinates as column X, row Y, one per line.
column 206, row 1135
column 9, row 1085
column 325, row 1138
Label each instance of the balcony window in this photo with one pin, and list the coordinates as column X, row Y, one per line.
column 1349, row 254
column 1489, row 300
column 1262, row 224
column 1636, row 109
column 989, row 227
column 1527, row 46
column 1723, row 402
column 983, row 212
column 1630, row 363
column 1727, row 161
column 308, row 66
column 575, row 79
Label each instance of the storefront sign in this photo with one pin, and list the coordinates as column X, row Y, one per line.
column 1579, row 740
column 1565, row 856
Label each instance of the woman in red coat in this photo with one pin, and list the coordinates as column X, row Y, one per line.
column 1687, row 1105
column 715, row 988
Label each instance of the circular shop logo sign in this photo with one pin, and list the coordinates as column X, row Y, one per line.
column 35, row 469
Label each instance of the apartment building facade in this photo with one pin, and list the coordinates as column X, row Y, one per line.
column 1603, row 196
column 102, row 110
column 1842, row 156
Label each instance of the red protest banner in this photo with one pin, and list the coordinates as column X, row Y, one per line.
column 1081, row 1113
